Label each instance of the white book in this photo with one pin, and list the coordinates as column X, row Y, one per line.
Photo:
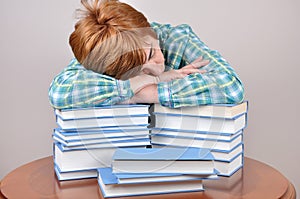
column 79, row 160
column 142, row 178
column 195, row 134
column 104, row 111
column 223, row 155
column 137, row 120
column 85, row 142
column 113, row 144
column 194, row 123
column 228, row 156
column 229, row 168
column 196, row 143
column 99, row 133
column 215, row 110
column 111, row 188
column 75, row 175
column 164, row 160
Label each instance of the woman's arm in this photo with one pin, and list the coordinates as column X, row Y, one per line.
column 220, row 83
column 77, row 87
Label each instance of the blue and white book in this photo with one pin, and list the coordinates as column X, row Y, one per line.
column 99, row 133
column 120, row 121
column 229, row 168
column 110, row 186
column 198, row 123
column 122, row 143
column 196, row 142
column 75, row 175
column 196, row 134
column 102, row 111
column 164, row 160
column 216, row 110
column 130, row 178
column 80, row 142
column 219, row 155
column 78, row 160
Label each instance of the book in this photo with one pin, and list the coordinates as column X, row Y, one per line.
column 219, row 155
column 75, row 175
column 110, row 186
column 129, row 178
column 163, row 160
column 229, row 168
column 142, row 142
column 198, row 123
column 137, row 120
column 228, row 156
column 85, row 142
column 99, row 133
column 103, row 111
column 68, row 161
column 195, row 134
column 215, row 110
column 216, row 145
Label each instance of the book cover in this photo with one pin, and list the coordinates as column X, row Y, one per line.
column 110, row 187
column 164, row 160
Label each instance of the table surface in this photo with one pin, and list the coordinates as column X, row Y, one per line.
column 37, row 180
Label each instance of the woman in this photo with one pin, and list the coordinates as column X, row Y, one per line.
column 119, row 59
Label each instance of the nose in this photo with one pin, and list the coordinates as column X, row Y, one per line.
column 159, row 58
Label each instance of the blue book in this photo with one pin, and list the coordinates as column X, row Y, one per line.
column 163, row 160
column 111, row 187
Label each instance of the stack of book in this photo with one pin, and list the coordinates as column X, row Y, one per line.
column 143, row 171
column 218, row 128
column 86, row 139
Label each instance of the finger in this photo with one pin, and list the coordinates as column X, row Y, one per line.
column 200, row 64
column 191, row 70
column 198, row 59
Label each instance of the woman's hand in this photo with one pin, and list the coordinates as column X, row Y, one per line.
column 184, row 71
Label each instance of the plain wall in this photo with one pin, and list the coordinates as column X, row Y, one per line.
column 259, row 38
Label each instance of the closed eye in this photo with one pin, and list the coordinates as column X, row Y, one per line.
column 151, row 53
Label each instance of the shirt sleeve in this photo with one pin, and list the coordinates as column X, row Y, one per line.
column 77, row 87
column 220, row 84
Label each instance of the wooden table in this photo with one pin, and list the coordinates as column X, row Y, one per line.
column 37, row 180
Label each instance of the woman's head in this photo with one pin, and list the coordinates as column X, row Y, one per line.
column 109, row 38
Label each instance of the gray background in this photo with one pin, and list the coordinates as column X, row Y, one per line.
column 259, row 38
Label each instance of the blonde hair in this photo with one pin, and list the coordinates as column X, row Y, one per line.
column 109, row 38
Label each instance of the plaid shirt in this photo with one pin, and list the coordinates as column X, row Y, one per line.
column 77, row 87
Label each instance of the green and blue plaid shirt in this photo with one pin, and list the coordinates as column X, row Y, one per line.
column 77, row 87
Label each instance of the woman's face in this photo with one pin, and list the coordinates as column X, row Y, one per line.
column 154, row 64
